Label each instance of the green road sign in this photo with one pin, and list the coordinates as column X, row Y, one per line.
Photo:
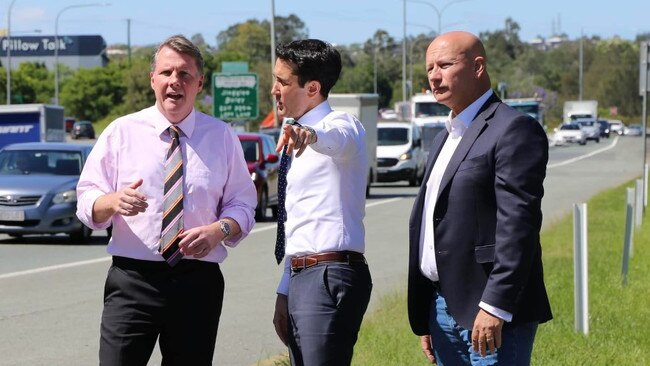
column 235, row 96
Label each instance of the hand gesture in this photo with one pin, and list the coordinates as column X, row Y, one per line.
column 295, row 136
column 128, row 201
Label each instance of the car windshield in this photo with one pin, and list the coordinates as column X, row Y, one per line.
column 569, row 127
column 586, row 123
column 251, row 151
column 431, row 109
column 40, row 162
column 388, row 136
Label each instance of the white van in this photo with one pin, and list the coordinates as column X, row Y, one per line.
column 399, row 153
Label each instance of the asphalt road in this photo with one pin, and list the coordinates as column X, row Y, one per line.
column 51, row 291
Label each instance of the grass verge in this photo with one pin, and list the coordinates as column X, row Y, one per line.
column 618, row 316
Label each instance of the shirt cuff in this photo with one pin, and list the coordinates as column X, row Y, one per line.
column 283, row 287
column 501, row 314
column 85, row 210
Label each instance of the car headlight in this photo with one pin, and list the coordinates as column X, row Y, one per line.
column 254, row 176
column 405, row 156
column 65, row 197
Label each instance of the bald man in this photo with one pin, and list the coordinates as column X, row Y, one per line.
column 476, row 291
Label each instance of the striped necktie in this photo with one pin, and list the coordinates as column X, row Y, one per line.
column 172, row 224
column 282, row 213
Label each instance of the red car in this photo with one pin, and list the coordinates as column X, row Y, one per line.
column 69, row 121
column 263, row 163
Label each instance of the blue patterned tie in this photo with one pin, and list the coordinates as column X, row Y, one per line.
column 282, row 213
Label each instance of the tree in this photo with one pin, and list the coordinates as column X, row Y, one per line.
column 288, row 29
column 251, row 42
column 359, row 63
column 93, row 93
column 502, row 46
column 31, row 83
column 613, row 77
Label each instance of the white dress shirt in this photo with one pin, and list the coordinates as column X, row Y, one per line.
column 215, row 177
column 456, row 128
column 326, row 187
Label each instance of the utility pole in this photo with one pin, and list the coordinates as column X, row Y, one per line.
column 128, row 39
column 8, row 66
column 580, row 67
column 275, row 106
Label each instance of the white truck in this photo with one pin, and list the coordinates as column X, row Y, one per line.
column 366, row 108
column 430, row 116
column 579, row 109
column 426, row 109
column 585, row 114
column 31, row 123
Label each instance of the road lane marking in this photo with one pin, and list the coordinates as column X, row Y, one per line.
column 55, row 267
column 577, row 158
column 108, row 258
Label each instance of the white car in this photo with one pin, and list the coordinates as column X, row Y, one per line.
column 616, row 126
column 633, row 130
column 591, row 128
column 399, row 153
column 569, row 133
column 387, row 113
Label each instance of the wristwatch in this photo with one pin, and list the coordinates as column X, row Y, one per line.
column 225, row 228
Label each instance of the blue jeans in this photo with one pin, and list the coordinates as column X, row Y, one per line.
column 452, row 344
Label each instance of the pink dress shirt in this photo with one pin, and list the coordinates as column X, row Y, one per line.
column 216, row 180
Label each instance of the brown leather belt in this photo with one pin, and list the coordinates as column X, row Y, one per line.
column 300, row 263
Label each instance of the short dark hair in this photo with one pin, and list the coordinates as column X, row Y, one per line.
column 312, row 59
column 181, row 45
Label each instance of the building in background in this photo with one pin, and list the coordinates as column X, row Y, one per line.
column 74, row 51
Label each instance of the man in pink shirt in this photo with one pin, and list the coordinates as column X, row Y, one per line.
column 173, row 184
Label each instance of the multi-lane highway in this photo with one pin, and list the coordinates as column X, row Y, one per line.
column 51, row 290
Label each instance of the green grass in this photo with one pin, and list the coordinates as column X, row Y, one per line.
column 618, row 316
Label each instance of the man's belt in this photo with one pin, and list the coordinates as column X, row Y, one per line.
column 300, row 263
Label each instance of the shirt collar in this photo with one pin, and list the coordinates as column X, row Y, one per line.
column 316, row 114
column 161, row 123
column 456, row 126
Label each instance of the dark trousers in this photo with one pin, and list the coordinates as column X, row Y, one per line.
column 144, row 300
column 326, row 306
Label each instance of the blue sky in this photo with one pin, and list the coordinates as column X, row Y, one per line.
column 336, row 21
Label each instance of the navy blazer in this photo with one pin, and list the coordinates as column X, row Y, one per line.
column 486, row 221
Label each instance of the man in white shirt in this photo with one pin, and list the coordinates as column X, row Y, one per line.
column 326, row 285
column 476, row 290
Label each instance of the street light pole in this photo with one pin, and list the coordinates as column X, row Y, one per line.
column 411, row 60
column 404, row 57
column 411, row 45
column 276, row 123
column 438, row 12
column 56, row 44
column 9, row 52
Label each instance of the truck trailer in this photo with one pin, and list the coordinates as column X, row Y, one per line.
column 31, row 123
column 365, row 107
